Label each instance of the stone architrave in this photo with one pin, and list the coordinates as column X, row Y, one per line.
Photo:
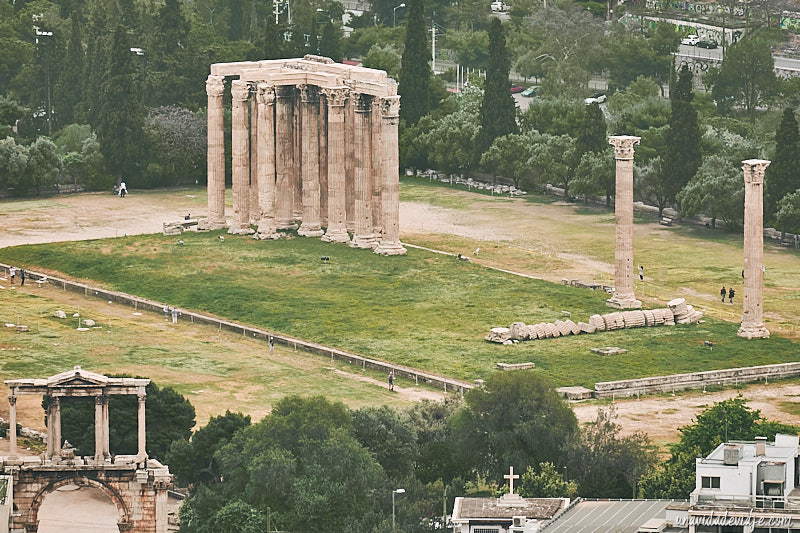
column 284, row 164
column 215, row 87
column 254, row 172
column 240, row 150
column 337, row 208
column 311, row 225
column 624, row 297
column 265, row 149
column 377, row 165
column 390, row 190
column 752, row 313
column 364, row 236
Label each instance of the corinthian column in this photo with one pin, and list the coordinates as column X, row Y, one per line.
column 624, row 298
column 350, row 161
column 364, row 236
column 216, row 154
column 254, row 172
column 337, row 223
column 390, row 189
column 377, row 165
column 752, row 314
column 240, row 148
column 141, row 427
column 311, row 225
column 265, row 149
column 284, row 164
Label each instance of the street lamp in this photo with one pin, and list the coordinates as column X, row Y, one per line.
column 40, row 33
column 394, row 14
column 395, row 491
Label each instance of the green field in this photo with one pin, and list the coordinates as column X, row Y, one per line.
column 424, row 310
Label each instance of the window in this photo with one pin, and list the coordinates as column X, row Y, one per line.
column 709, row 482
column 485, row 530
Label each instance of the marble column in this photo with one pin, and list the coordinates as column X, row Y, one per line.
column 99, row 439
column 284, row 163
column 753, row 299
column 364, row 236
column 265, row 150
column 216, row 153
column 323, row 158
column 623, row 297
column 297, row 177
column 49, row 429
column 350, row 161
column 390, row 190
column 240, row 150
column 142, row 427
column 377, row 164
column 255, row 212
column 106, row 429
column 56, row 426
column 337, row 223
column 311, row 225
column 12, row 426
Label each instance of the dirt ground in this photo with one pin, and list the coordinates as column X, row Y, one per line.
column 90, row 216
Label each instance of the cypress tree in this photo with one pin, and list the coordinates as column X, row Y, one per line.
column 781, row 177
column 592, row 136
column 498, row 112
column 415, row 73
column 237, row 20
column 330, row 44
column 68, row 93
column 682, row 156
column 271, row 44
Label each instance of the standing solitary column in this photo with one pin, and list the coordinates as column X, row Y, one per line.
column 106, row 430
column 142, row 427
column 284, row 144
column 390, row 189
column 240, row 149
column 364, row 237
column 337, row 224
column 49, row 428
column 12, row 425
column 216, row 153
column 623, row 297
column 56, row 426
column 265, row 151
column 752, row 315
column 311, row 226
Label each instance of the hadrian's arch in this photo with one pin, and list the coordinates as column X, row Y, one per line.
column 314, row 147
column 123, row 520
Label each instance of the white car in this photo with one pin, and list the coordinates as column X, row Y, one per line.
column 498, row 6
column 690, row 40
column 596, row 98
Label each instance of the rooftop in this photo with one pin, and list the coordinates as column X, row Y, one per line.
column 507, row 508
column 619, row 516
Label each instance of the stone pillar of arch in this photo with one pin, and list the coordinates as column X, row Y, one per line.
column 265, row 150
column 56, row 402
column 377, row 164
column 364, row 236
column 141, row 427
column 99, row 426
column 284, row 163
column 752, row 313
column 254, row 210
column 350, row 161
column 311, row 225
column 624, row 297
column 12, row 425
column 337, row 208
column 240, row 150
column 390, row 168
column 215, row 87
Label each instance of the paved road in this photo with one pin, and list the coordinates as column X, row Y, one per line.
column 781, row 62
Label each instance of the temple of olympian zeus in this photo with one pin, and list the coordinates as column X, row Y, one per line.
column 752, row 326
column 314, row 145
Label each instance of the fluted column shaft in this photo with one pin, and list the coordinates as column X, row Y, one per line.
column 624, row 297
column 376, row 173
column 311, row 225
column 265, row 149
column 350, row 161
column 752, row 313
column 216, row 153
column 142, row 427
column 255, row 212
column 240, row 149
column 337, row 222
column 284, row 163
column 297, row 187
column 390, row 168
column 323, row 157
column 364, row 236
column 99, row 439
column 49, row 427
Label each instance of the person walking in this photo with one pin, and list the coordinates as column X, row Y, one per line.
column 391, row 380
column 723, row 292
column 641, row 273
column 12, row 272
column 271, row 344
column 123, row 189
column 21, row 277
column 731, row 294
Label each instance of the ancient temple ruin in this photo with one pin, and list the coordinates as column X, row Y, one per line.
column 313, row 142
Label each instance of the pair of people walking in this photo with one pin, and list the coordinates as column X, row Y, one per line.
column 730, row 292
column 12, row 272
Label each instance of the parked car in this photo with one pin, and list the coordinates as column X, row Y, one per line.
column 517, row 89
column 530, row 91
column 690, row 40
column 498, row 6
column 597, row 98
column 706, row 44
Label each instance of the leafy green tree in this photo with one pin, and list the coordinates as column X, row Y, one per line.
column 43, row 167
column 436, row 450
column 415, row 74
column 498, row 112
column 10, row 113
column 546, row 483
column 330, row 44
column 508, row 157
column 238, row 517
column 451, row 139
column 717, row 190
column 121, row 115
column 555, row 116
column 665, row 42
column 390, row 436
column 746, row 77
column 550, row 160
column 682, row 157
column 596, row 174
column 788, row 215
column 179, row 139
column 383, row 58
column 69, row 90
column 515, row 419
column 13, row 162
column 592, row 136
column 781, row 177
column 629, row 56
column 469, row 47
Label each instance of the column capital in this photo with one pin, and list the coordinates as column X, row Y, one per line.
column 98, row 400
column 390, row 106
column 215, row 85
column 308, row 93
column 266, row 94
column 754, row 170
column 12, row 400
column 240, row 90
column 363, row 102
column 623, row 145
column 337, row 96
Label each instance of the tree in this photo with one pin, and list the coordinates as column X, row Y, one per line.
column 515, row 419
column 13, row 161
column 746, row 77
column 592, row 136
column 788, row 214
column 43, row 166
column 629, row 55
column 550, row 159
column 383, row 58
column 69, row 90
column 508, row 157
column 498, row 112
column 556, row 116
column 781, row 177
column 596, row 174
column 470, row 47
column 546, row 483
column 330, row 44
column 682, row 157
column 121, row 117
column 436, row 458
column 178, row 137
column 415, row 74
column 391, row 438
column 717, row 190
column 10, row 113
column 450, row 140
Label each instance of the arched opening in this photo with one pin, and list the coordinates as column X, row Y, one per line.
column 74, row 509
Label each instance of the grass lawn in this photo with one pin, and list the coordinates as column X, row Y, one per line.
column 423, row 310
